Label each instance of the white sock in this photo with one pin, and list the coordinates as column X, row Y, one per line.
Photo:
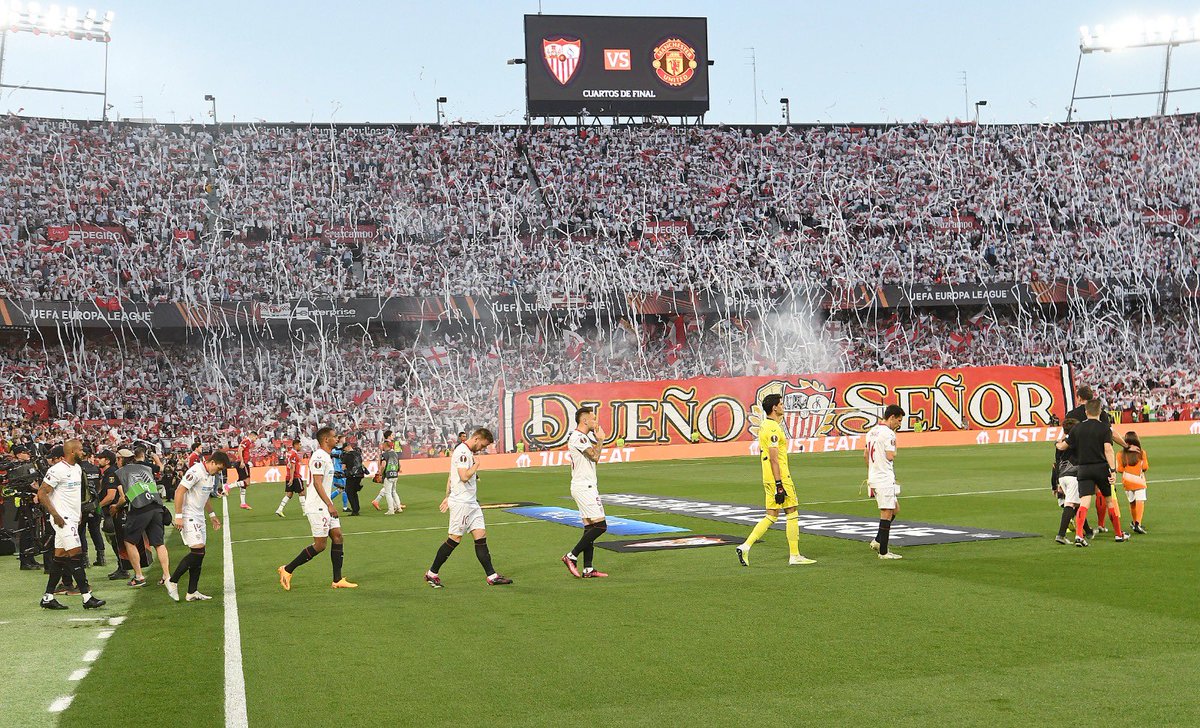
column 47, row 597
column 242, row 493
column 282, row 503
column 87, row 596
column 572, row 556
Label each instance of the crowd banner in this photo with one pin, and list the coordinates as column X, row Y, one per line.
column 726, row 409
column 107, row 311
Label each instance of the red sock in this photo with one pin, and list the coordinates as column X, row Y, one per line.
column 1116, row 519
column 1101, row 510
column 1080, row 519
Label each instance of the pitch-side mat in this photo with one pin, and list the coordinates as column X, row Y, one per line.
column 815, row 523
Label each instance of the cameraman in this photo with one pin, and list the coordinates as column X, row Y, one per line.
column 89, row 522
column 145, row 517
column 27, row 543
column 59, row 494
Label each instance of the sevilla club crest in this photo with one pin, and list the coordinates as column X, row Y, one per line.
column 562, row 57
column 808, row 407
column 674, row 62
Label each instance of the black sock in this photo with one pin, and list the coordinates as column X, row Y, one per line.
column 184, row 564
column 443, row 553
column 885, row 530
column 336, row 556
column 302, row 558
column 588, row 553
column 1068, row 516
column 194, row 572
column 591, row 532
column 484, row 556
column 124, row 564
column 56, row 564
column 81, row 582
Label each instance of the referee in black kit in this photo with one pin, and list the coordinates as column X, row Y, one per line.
column 1084, row 395
column 1091, row 441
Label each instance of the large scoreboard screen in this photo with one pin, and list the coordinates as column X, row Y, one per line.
column 609, row 66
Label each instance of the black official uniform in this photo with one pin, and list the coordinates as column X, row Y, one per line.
column 1086, row 443
column 89, row 519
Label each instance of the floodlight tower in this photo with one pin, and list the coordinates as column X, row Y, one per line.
column 1165, row 32
column 30, row 18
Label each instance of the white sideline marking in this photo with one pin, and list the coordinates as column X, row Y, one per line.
column 62, row 703
column 91, row 655
column 85, row 619
column 235, row 679
column 408, row 530
column 974, row 492
column 79, row 674
column 104, row 634
column 116, row 621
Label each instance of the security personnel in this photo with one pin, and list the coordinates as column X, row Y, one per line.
column 89, row 514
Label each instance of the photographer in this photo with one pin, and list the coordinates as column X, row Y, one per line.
column 89, row 523
column 22, row 478
column 59, row 494
column 145, row 516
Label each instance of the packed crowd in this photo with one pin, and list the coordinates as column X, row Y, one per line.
column 262, row 211
column 431, row 384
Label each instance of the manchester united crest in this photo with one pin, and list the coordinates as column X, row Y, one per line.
column 674, row 62
column 808, row 407
column 562, row 57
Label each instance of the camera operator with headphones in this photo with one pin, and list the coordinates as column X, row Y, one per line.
column 21, row 479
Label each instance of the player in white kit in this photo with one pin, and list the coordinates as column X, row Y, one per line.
column 59, row 494
column 881, row 475
column 583, row 446
column 191, row 503
column 465, row 513
column 322, row 515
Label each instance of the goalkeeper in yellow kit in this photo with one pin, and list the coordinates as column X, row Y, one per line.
column 777, row 484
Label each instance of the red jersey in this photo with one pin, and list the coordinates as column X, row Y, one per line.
column 244, row 450
column 292, row 458
column 193, row 458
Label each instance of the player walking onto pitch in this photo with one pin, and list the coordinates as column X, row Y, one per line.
column 777, row 483
column 191, row 501
column 1065, row 483
column 322, row 514
column 465, row 513
column 245, row 452
column 291, row 479
column 881, row 476
column 1091, row 443
column 584, row 446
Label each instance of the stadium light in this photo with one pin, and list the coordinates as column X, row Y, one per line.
column 977, row 105
column 787, row 110
column 55, row 22
column 1165, row 31
column 1136, row 33
column 440, row 100
column 515, row 62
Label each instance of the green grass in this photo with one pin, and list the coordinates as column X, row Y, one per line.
column 1014, row 632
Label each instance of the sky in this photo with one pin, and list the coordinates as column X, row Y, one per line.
column 379, row 61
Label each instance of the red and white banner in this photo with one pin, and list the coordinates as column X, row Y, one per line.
column 75, row 234
column 713, row 410
column 342, row 234
column 957, row 224
column 666, row 229
column 184, row 234
column 1168, row 216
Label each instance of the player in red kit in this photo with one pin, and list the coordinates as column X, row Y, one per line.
column 244, row 451
column 291, row 479
column 194, row 456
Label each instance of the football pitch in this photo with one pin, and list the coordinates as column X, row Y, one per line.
column 1001, row 632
